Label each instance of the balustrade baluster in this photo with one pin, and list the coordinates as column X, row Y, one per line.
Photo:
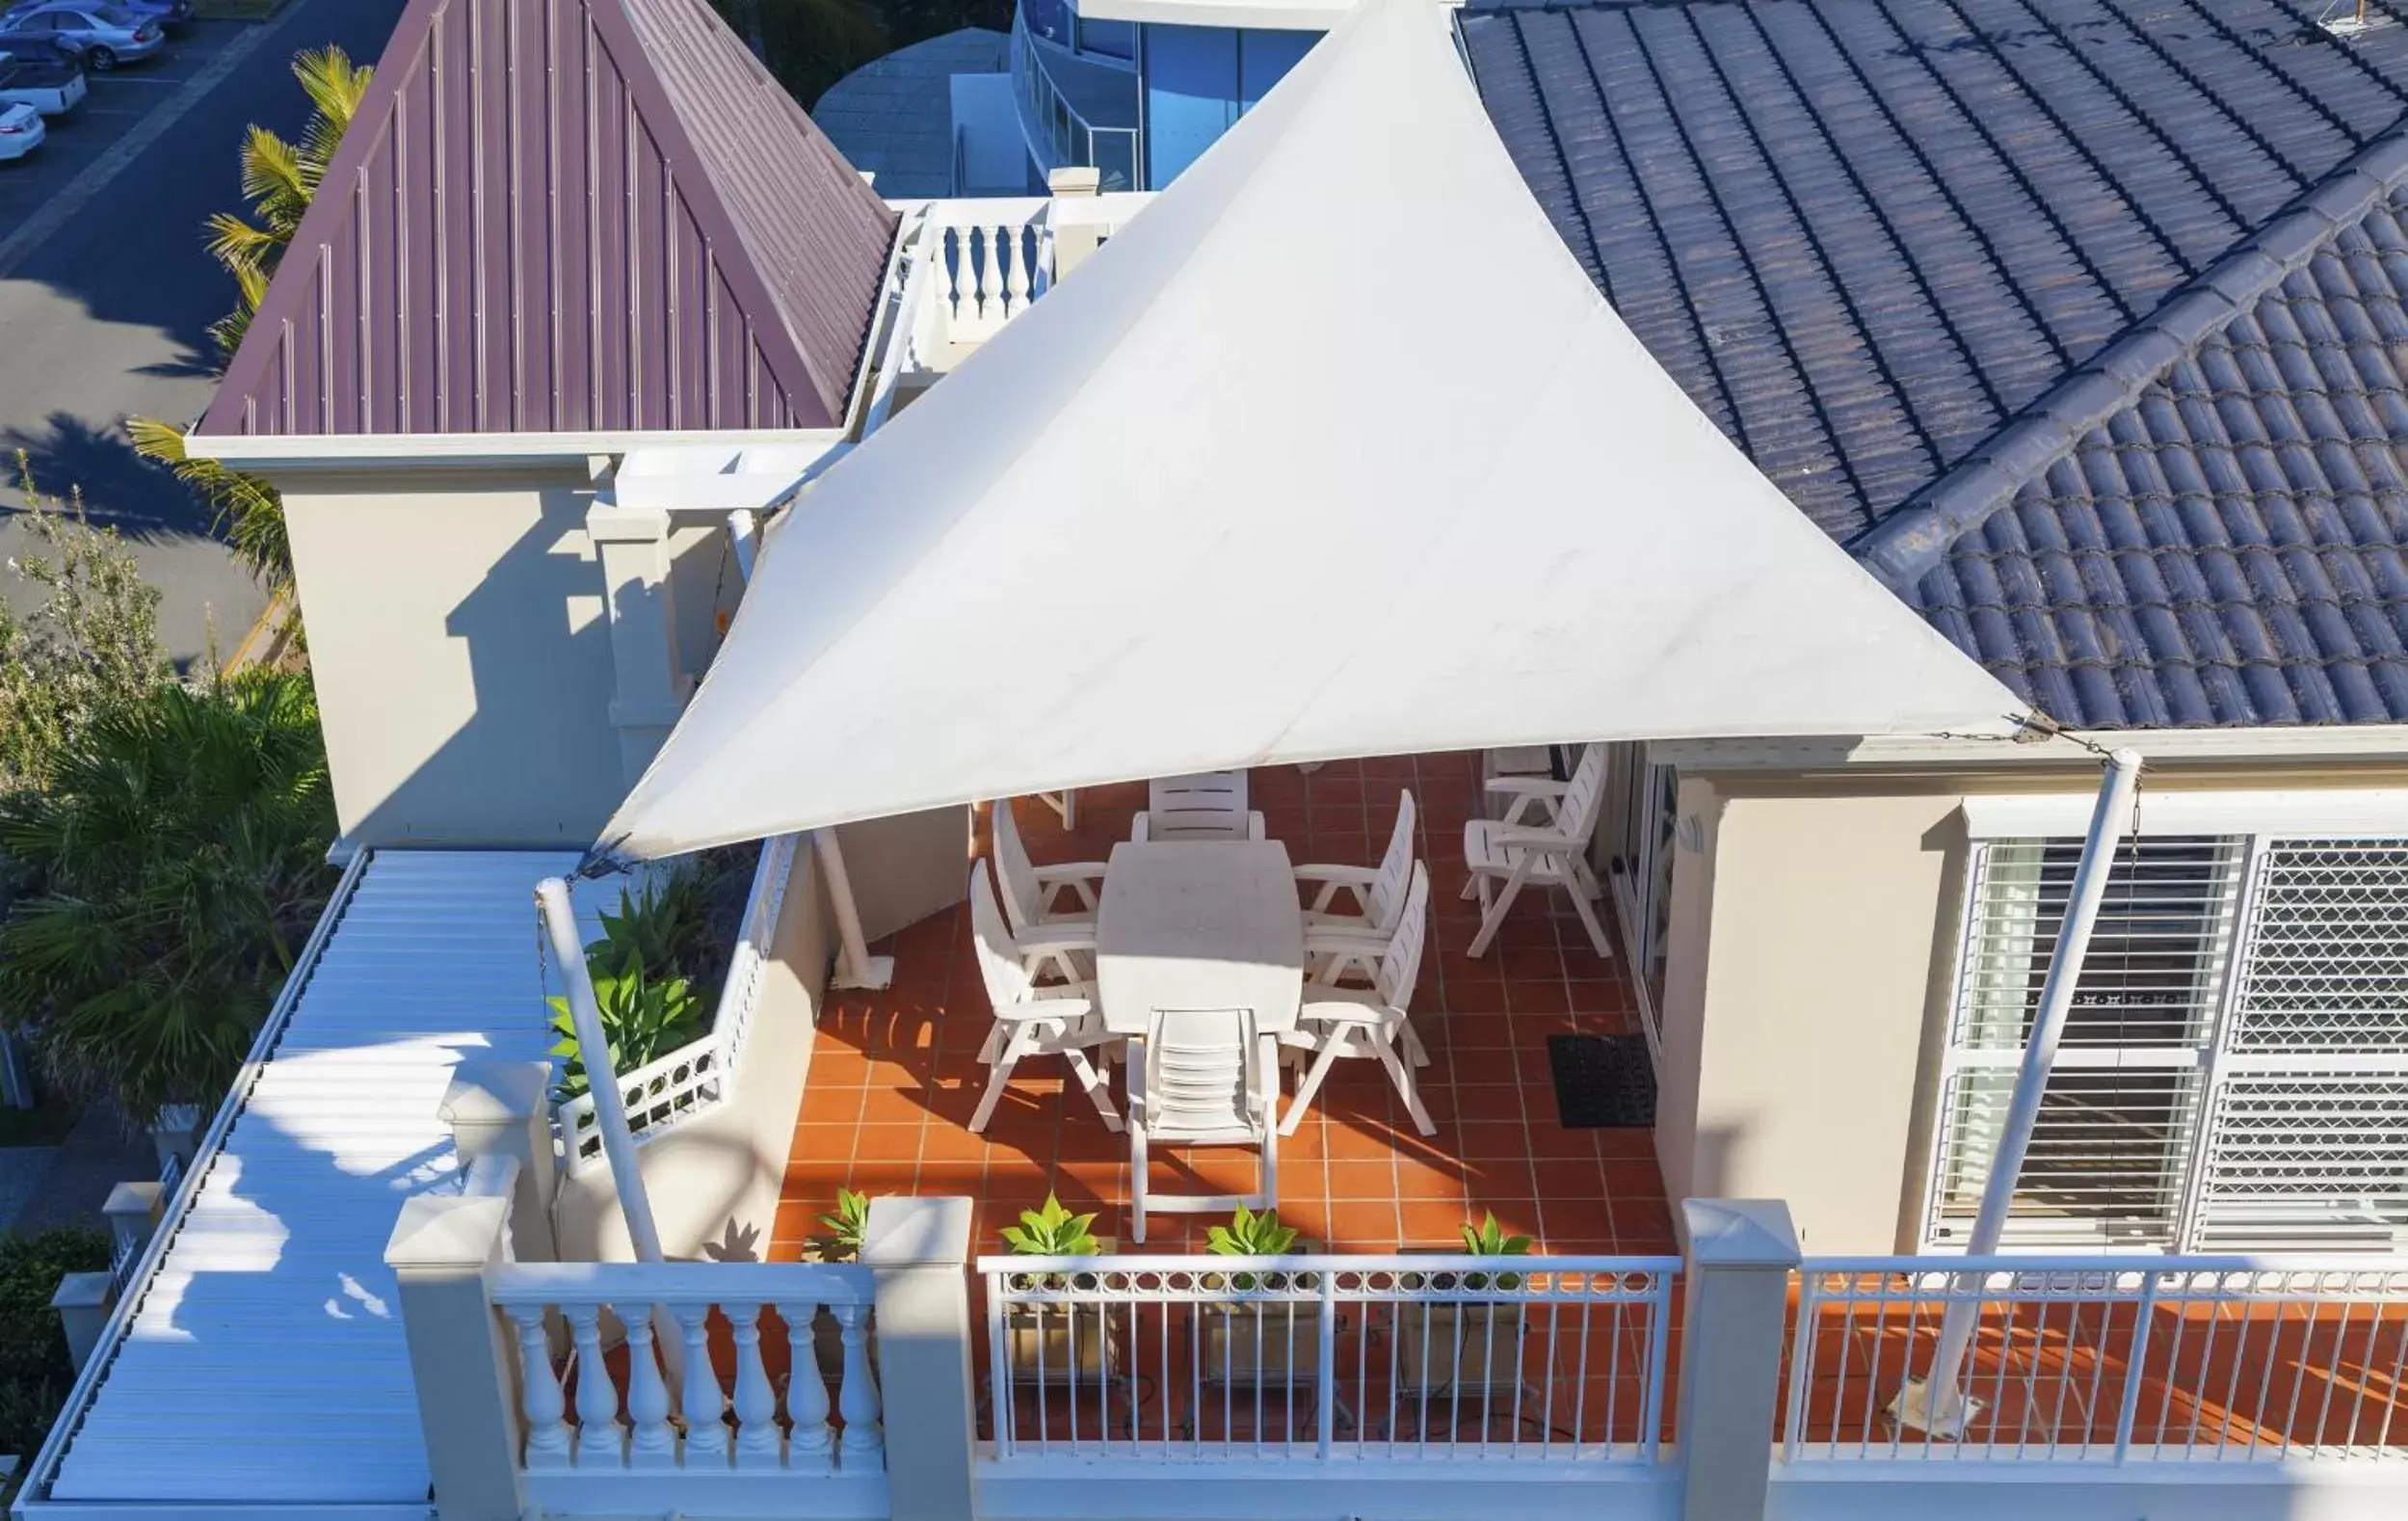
column 755, row 1401
column 864, row 1443
column 654, row 1443
column 601, row 1440
column 543, row 1403
column 699, row 1399
column 810, row 1450
column 1015, row 271
column 954, row 248
column 991, row 279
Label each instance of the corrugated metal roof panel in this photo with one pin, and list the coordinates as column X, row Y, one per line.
column 567, row 216
column 265, row 1360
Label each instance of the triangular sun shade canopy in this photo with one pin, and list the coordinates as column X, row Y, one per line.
column 566, row 216
column 1332, row 451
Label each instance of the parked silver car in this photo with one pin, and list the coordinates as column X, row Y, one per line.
column 96, row 36
column 45, row 81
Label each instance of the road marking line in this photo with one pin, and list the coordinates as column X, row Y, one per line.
column 79, row 193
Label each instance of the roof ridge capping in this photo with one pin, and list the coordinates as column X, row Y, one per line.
column 1915, row 537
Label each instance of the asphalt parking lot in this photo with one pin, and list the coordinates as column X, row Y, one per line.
column 118, row 99
column 107, row 293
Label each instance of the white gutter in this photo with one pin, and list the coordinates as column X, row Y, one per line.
column 2285, row 742
column 361, row 450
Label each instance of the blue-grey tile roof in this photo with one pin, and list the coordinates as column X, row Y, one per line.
column 893, row 115
column 2080, row 322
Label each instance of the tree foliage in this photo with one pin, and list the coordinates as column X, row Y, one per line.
column 281, row 180
column 92, row 641
column 179, row 852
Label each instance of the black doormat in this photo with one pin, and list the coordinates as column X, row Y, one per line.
column 1601, row 1081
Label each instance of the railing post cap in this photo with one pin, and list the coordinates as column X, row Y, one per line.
column 446, row 1231
column 1740, row 1233
column 917, row 1232
column 135, row 1199
column 496, row 1092
column 84, row 1291
column 1074, row 180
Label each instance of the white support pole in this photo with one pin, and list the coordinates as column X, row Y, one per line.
column 855, row 966
column 610, row 1106
column 1934, row 1405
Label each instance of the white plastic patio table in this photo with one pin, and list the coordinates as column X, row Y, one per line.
column 1198, row 925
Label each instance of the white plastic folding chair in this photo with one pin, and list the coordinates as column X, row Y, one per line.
column 1207, row 1078
column 1210, row 804
column 1369, row 1022
column 1055, row 1020
column 1032, row 895
column 1547, row 851
column 1339, row 940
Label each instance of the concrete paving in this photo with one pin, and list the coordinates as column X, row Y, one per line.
column 106, row 292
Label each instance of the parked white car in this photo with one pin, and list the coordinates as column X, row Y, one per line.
column 50, row 85
column 21, row 132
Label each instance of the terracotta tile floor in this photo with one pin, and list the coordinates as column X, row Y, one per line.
column 895, row 1075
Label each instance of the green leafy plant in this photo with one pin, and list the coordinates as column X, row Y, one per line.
column 35, row 1373
column 661, row 924
column 89, row 643
column 1052, row 1231
column 1250, row 1235
column 644, row 1019
column 178, row 856
column 281, row 180
column 1488, row 1238
column 847, row 1226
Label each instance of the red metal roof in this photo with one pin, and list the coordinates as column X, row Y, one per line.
column 567, row 216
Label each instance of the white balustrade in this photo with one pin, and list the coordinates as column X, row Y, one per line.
column 1305, row 1359
column 635, row 1327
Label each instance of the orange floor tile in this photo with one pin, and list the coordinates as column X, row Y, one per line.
column 894, row 1075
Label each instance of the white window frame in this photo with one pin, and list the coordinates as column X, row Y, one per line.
column 2253, row 826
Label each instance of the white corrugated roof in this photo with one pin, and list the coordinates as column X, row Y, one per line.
column 265, row 1362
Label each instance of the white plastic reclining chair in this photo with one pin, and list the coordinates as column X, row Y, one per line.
column 1031, row 897
column 1210, row 804
column 1206, row 1079
column 1369, row 1022
column 1550, row 850
column 1337, row 941
column 1055, row 1020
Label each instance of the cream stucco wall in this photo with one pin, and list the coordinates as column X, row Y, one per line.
column 1806, row 931
column 463, row 654
column 1815, row 923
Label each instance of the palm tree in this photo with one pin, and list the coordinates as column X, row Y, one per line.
column 279, row 179
column 181, row 852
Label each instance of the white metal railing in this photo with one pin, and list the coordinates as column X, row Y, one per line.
column 1546, row 1359
column 2105, row 1360
column 699, row 1075
column 617, row 1368
column 128, row 1236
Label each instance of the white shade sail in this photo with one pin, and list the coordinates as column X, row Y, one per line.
column 1333, row 450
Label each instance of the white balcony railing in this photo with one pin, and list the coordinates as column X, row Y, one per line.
column 1415, row 1358
column 700, row 1074
column 2103, row 1361
column 634, row 1380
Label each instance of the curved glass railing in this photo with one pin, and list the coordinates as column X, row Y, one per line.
column 1076, row 108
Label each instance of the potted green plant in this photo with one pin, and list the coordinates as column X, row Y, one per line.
column 1465, row 1348
column 1260, row 1337
column 840, row 1243
column 1039, row 1338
